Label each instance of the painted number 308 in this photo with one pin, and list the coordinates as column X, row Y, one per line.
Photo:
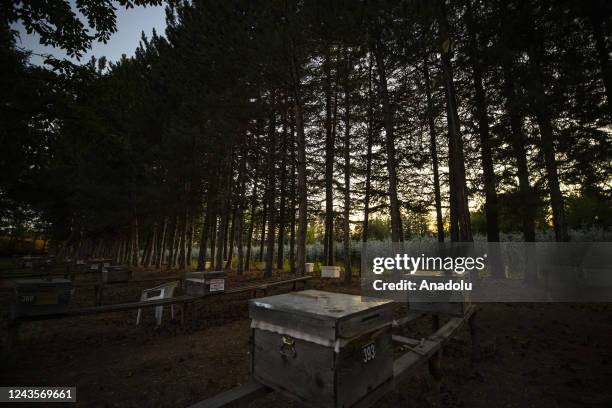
column 369, row 352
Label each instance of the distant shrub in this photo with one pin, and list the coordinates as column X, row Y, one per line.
column 314, row 251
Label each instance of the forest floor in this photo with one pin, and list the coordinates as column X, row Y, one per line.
column 534, row 355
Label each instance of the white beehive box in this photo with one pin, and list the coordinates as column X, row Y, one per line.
column 330, row 271
column 322, row 349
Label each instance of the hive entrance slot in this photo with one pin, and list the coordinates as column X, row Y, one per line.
column 370, row 317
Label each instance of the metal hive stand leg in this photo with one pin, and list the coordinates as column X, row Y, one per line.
column 159, row 310
column 434, row 361
column 476, row 355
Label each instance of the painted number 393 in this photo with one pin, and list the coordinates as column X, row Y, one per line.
column 369, row 352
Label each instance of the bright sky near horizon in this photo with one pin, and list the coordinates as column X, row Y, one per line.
column 130, row 24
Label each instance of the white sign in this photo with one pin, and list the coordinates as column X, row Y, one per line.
column 217, row 285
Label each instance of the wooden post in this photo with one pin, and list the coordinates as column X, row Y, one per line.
column 183, row 312
column 98, row 293
column 434, row 361
column 474, row 337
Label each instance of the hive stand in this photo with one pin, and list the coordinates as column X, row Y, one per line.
column 163, row 291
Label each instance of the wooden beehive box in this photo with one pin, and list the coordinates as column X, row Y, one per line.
column 98, row 264
column 454, row 303
column 330, row 271
column 204, row 283
column 41, row 296
column 116, row 273
column 38, row 263
column 87, row 267
column 323, row 349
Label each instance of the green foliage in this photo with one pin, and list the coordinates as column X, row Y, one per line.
column 379, row 229
column 509, row 215
column 58, row 24
column 415, row 223
column 314, row 233
column 87, row 150
column 588, row 211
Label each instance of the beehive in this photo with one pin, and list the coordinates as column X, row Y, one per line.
column 322, row 349
column 113, row 274
column 41, row 296
column 453, row 303
column 98, row 264
column 205, row 283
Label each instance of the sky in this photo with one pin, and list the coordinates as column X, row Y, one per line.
column 130, row 24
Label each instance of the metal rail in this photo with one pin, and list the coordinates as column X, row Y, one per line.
column 15, row 321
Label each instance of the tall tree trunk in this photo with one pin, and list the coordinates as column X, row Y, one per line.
column 271, row 188
column 118, row 249
column 125, row 258
column 518, row 137
column 161, row 251
column 204, row 236
column 145, row 250
column 183, row 241
column 136, row 237
column 224, row 198
column 461, row 229
column 226, row 234
column 247, row 261
column 488, row 173
column 221, row 238
column 213, row 240
column 232, row 238
column 280, row 258
column 301, row 165
column 396, row 220
column 348, row 272
column 291, row 9
column 176, row 242
column 518, row 143
column 148, row 253
column 239, row 233
column 190, row 240
column 540, row 102
column 152, row 248
column 369, row 142
column 224, row 228
column 328, row 239
column 292, row 201
column 434, row 150
column 264, row 218
column 208, row 217
column 239, row 219
column 172, row 238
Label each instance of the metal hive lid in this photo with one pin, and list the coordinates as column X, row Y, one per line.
column 319, row 304
column 205, row 274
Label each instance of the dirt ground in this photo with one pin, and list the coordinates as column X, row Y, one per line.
column 534, row 355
